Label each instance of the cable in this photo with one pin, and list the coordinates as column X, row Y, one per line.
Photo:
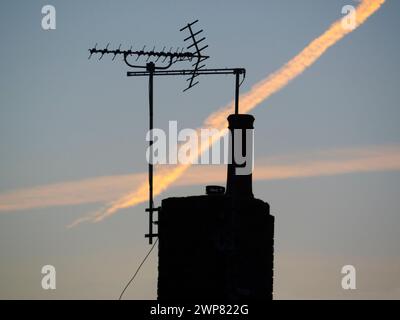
column 141, row 264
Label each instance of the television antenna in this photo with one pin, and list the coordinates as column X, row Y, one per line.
column 193, row 52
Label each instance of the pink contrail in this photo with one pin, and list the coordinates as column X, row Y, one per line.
column 259, row 93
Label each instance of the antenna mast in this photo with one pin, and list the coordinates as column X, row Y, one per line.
column 155, row 68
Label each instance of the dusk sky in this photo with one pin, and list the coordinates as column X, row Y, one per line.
column 72, row 139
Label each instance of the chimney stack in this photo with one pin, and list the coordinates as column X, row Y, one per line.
column 218, row 246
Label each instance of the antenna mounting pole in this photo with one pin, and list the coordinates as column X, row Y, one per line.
column 237, row 85
column 150, row 68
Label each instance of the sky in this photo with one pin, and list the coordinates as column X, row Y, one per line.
column 72, row 139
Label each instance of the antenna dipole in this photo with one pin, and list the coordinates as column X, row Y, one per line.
column 196, row 45
column 193, row 54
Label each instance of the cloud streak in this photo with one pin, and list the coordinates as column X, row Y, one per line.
column 302, row 165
